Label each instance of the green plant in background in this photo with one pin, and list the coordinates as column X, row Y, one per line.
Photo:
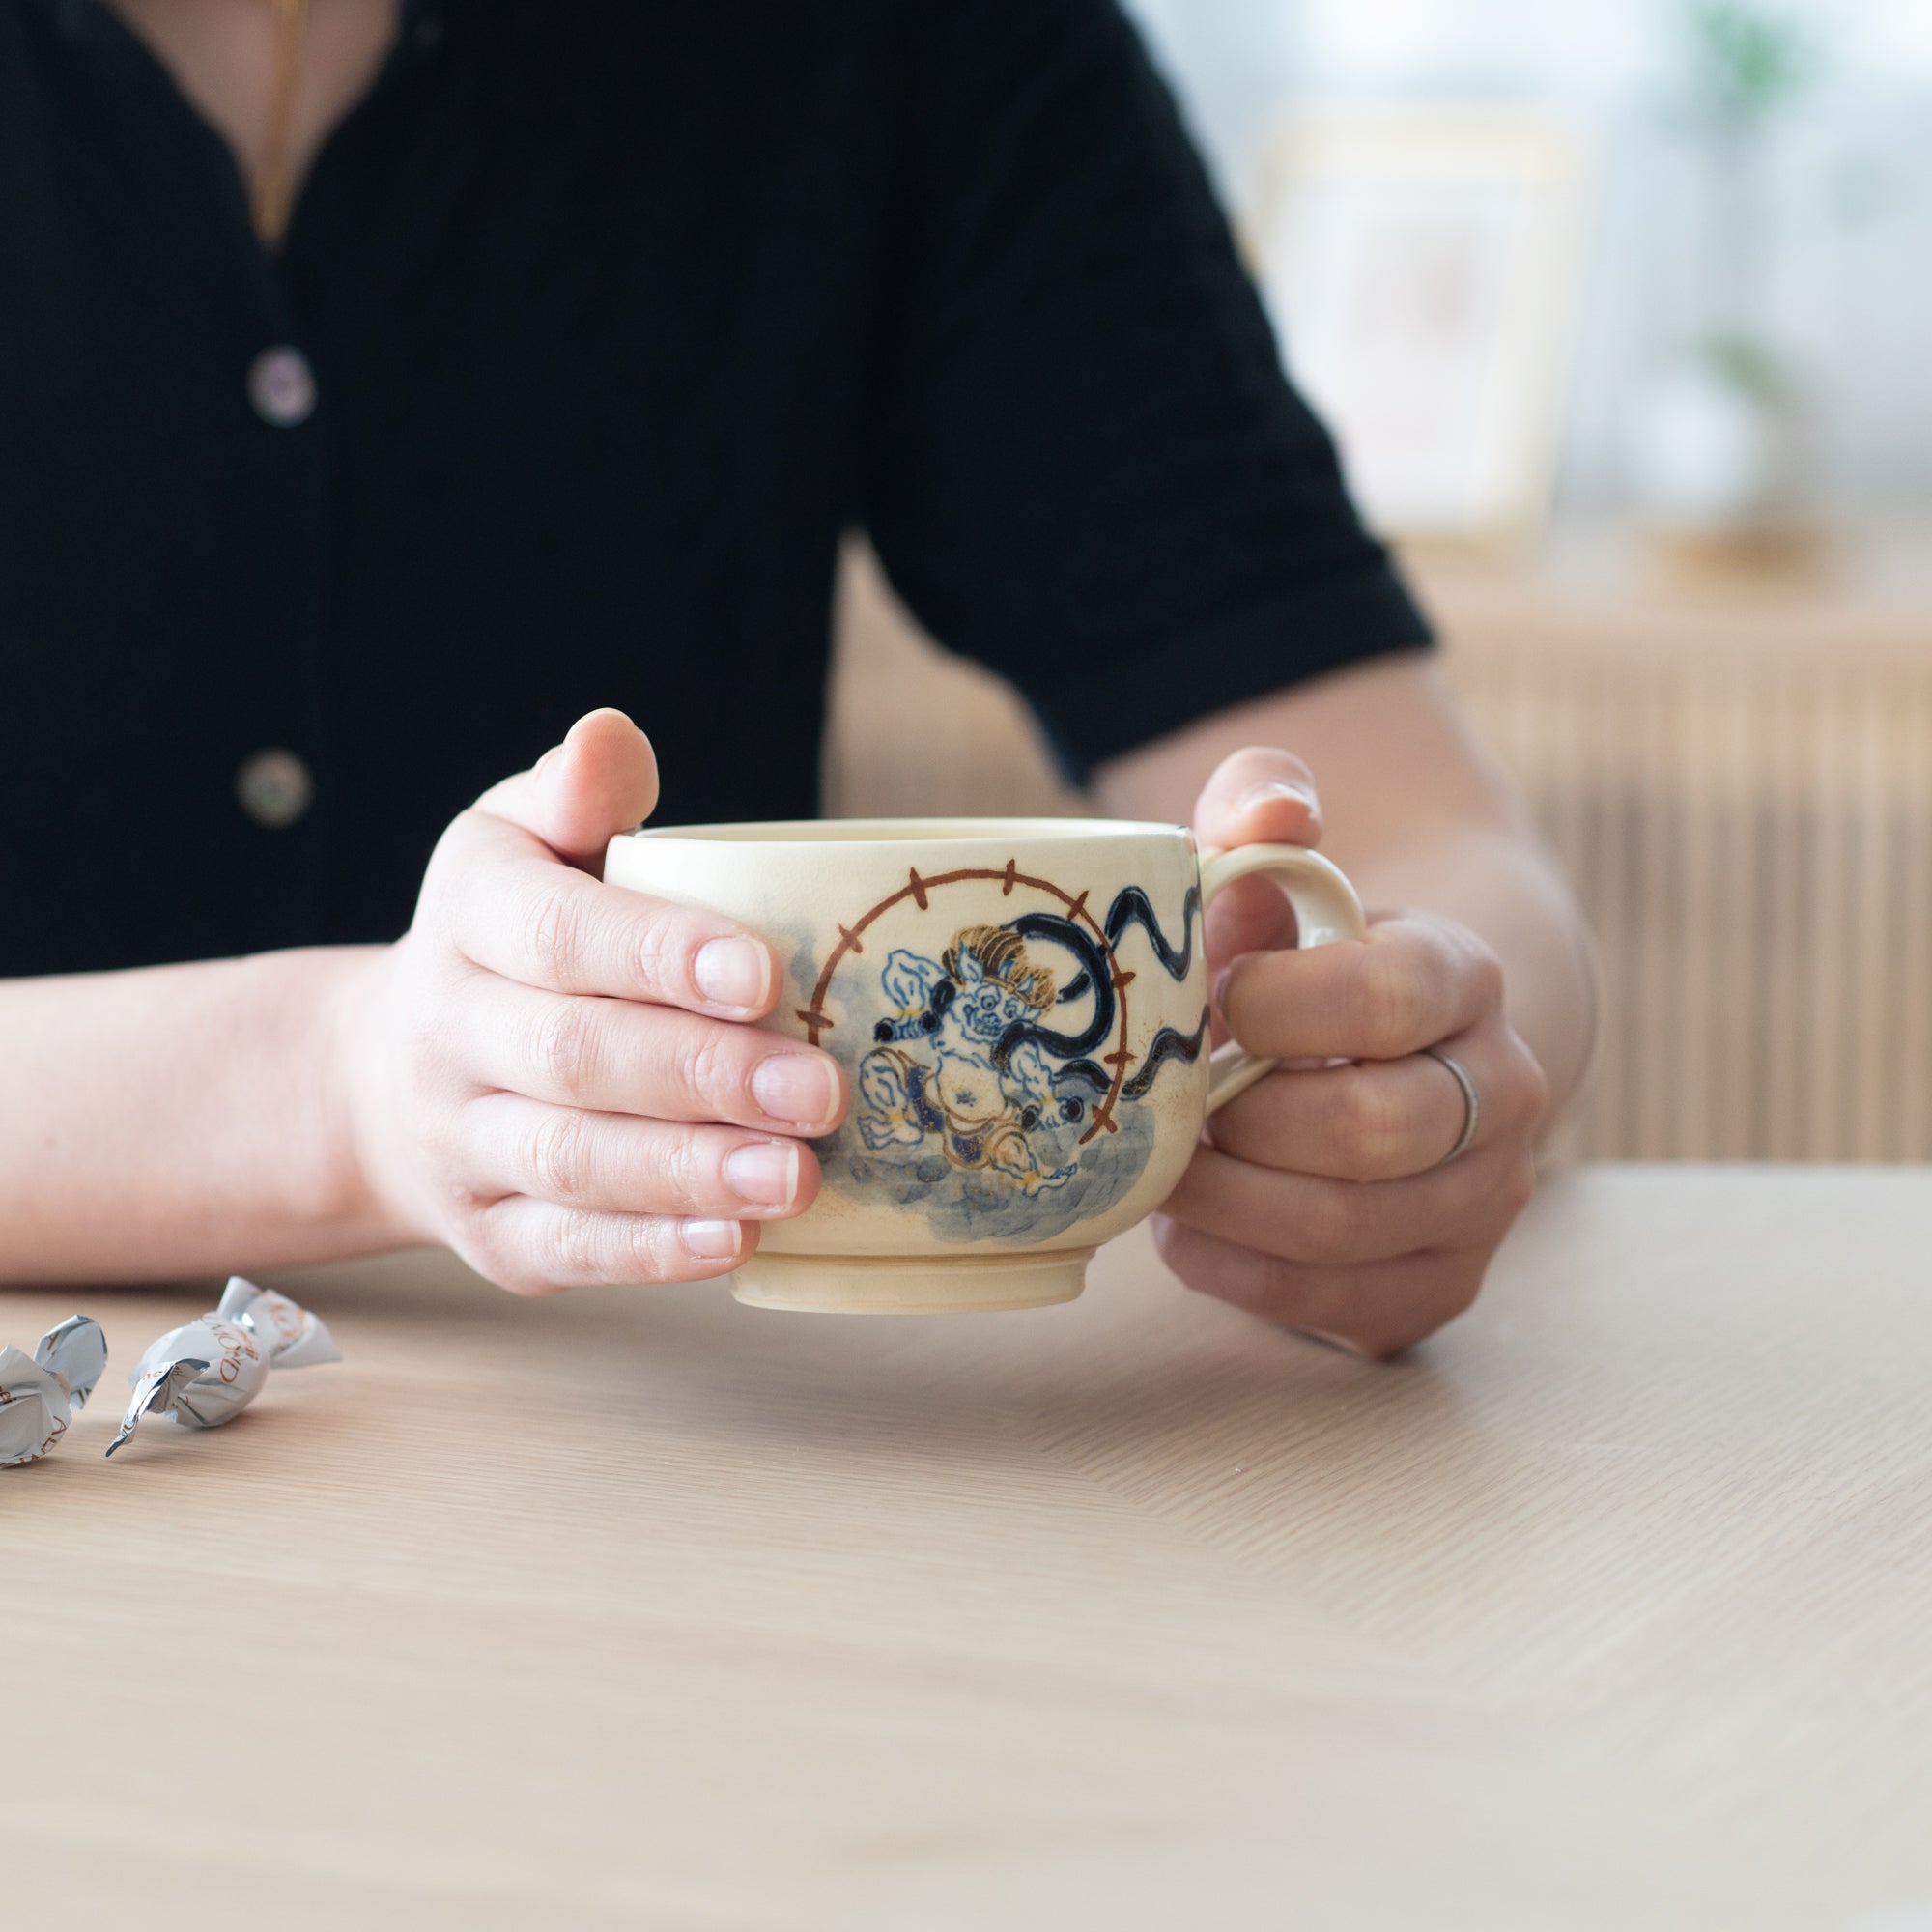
column 1749, row 368
column 1747, row 63
column 1720, row 433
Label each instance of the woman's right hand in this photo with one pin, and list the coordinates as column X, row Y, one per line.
column 555, row 1077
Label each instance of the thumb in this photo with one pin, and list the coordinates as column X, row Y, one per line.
column 601, row 780
column 1259, row 796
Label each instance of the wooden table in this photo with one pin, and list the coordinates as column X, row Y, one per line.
column 1612, row 1606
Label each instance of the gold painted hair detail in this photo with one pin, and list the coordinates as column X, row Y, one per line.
column 1003, row 958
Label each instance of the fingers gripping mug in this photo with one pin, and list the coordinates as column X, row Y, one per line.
column 1021, row 1009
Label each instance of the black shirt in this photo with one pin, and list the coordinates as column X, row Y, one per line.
column 595, row 326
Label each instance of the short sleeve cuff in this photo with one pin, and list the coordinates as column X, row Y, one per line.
column 1147, row 691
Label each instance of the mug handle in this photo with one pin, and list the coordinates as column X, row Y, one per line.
column 1326, row 909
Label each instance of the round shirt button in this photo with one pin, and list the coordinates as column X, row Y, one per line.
column 275, row 787
column 281, row 386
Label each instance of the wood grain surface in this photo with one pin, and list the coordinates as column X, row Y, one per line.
column 1612, row 1606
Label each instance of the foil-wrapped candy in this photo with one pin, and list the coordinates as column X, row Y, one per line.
column 207, row 1371
column 39, row 1394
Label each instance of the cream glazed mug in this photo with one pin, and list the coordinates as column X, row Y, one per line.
column 1020, row 1007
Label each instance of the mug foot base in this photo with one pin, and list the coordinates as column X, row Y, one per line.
column 878, row 1285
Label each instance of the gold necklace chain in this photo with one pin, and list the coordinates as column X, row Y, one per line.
column 274, row 199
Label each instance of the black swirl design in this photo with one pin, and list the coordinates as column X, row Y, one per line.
column 1167, row 1044
column 1087, row 950
column 1131, row 907
column 1084, row 1070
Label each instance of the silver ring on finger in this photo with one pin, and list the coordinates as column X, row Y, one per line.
column 1472, row 1106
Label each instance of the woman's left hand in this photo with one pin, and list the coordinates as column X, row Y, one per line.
column 1322, row 1199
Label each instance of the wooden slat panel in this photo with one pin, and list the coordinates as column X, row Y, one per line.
column 1750, row 840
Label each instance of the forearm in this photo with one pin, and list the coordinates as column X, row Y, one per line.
column 179, row 1121
column 1418, row 817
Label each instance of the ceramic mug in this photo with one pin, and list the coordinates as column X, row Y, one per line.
column 1021, row 1009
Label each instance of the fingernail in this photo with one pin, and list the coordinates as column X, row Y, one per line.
column 1273, row 792
column 796, row 1087
column 711, row 1240
column 764, row 1173
column 734, row 973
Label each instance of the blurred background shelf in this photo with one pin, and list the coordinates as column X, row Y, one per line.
column 1733, row 761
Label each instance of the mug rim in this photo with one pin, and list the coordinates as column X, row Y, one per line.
column 842, row 834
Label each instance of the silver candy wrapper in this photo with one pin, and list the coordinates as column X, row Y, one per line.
column 41, row 1393
column 208, row 1370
